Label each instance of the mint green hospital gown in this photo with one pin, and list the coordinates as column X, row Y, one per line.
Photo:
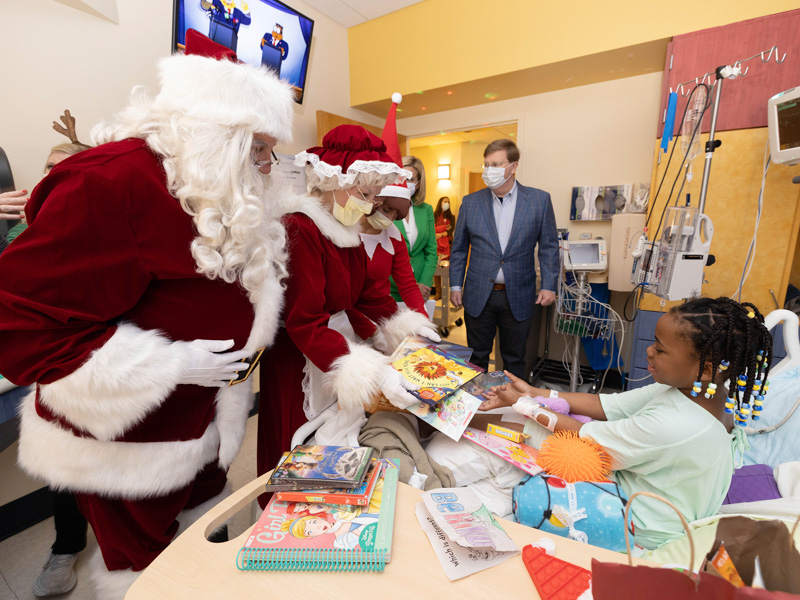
column 662, row 442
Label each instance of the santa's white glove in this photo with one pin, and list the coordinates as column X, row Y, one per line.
column 428, row 333
column 394, row 386
column 209, row 365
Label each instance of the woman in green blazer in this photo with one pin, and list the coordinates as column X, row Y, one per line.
column 419, row 231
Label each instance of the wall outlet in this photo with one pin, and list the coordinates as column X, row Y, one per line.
column 586, row 236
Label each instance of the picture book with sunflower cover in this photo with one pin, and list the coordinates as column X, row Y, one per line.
column 437, row 373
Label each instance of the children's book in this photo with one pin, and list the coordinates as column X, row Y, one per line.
column 414, row 342
column 450, row 415
column 311, row 467
column 484, row 382
column 437, row 373
column 519, row 455
column 293, row 536
column 338, row 496
column 465, row 536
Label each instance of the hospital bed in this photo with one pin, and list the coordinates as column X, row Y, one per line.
column 775, row 442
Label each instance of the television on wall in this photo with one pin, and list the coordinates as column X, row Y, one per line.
column 262, row 32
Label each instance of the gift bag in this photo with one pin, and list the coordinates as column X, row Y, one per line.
column 612, row 581
column 744, row 539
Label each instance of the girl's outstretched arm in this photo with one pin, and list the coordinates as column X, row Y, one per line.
column 506, row 395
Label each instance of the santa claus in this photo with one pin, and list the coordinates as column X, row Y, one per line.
column 147, row 260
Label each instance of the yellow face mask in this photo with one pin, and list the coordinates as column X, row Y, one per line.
column 379, row 221
column 349, row 214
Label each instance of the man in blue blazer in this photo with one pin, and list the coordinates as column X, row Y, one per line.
column 502, row 225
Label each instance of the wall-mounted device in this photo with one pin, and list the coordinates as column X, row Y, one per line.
column 585, row 255
column 783, row 119
column 672, row 267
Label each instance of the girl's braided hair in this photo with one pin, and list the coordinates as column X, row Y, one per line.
column 721, row 329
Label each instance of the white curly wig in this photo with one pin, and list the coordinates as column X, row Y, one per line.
column 202, row 124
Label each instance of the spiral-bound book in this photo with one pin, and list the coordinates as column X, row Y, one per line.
column 299, row 536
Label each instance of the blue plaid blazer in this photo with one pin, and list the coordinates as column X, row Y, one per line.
column 534, row 223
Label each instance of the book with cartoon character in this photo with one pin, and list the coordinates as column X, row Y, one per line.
column 484, row 382
column 356, row 497
column 413, row 343
column 437, row 373
column 312, row 467
column 302, row 536
column 450, row 415
column 521, row 456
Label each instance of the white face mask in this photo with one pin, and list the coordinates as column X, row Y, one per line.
column 445, row 206
column 494, row 177
column 379, row 221
column 412, row 187
column 349, row 214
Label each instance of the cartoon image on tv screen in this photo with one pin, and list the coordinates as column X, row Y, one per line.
column 225, row 18
column 261, row 32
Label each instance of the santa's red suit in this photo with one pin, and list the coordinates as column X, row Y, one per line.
column 328, row 276
column 102, row 296
column 96, row 336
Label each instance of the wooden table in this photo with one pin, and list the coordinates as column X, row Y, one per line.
column 192, row 567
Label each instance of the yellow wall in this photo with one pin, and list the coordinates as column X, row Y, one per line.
column 432, row 157
column 442, row 42
column 734, row 183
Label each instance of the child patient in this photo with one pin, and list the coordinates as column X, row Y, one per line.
column 675, row 437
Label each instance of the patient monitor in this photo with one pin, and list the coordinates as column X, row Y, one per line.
column 783, row 118
column 585, row 255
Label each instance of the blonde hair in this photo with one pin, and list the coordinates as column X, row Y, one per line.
column 209, row 170
column 316, row 183
column 297, row 528
column 419, row 194
column 68, row 148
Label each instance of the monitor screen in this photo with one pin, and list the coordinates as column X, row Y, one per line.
column 261, row 32
column 584, row 254
column 788, row 124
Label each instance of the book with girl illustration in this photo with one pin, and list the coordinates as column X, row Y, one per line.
column 312, row 466
column 292, row 536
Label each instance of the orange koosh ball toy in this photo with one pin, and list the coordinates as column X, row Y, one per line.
column 573, row 458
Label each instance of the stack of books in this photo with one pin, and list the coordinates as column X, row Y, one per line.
column 333, row 510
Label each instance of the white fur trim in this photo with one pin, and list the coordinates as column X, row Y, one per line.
column 354, row 378
column 119, row 384
column 403, row 323
column 233, row 406
column 311, row 206
column 128, row 469
column 110, row 585
column 268, row 308
column 189, row 516
column 358, row 166
column 224, row 92
column 396, row 191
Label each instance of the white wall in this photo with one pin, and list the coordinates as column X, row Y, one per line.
column 602, row 133
column 56, row 57
column 599, row 134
